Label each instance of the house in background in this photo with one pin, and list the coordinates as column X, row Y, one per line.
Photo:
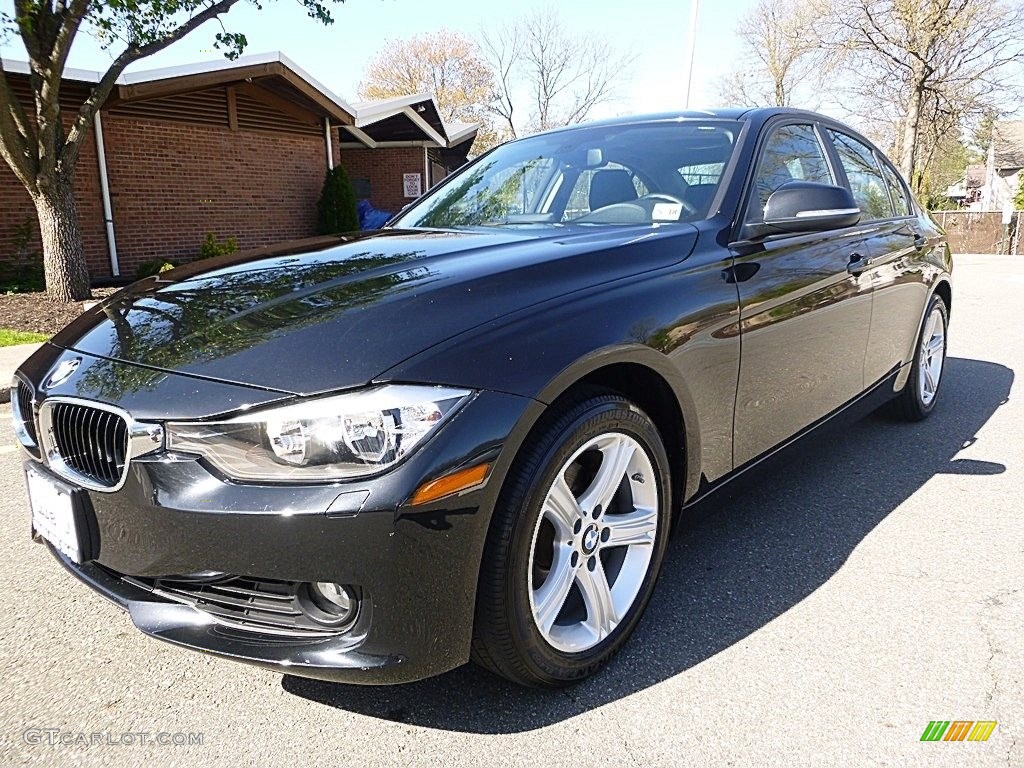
column 1002, row 171
column 967, row 193
column 986, row 220
column 236, row 148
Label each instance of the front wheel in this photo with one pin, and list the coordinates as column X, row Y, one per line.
column 575, row 546
column 919, row 395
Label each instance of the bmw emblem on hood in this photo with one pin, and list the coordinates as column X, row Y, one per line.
column 62, row 372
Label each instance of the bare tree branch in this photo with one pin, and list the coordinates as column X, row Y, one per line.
column 502, row 50
column 564, row 75
column 936, row 64
column 780, row 58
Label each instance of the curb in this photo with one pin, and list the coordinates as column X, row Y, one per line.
column 11, row 358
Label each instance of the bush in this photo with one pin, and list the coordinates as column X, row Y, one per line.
column 211, row 247
column 153, row 267
column 21, row 278
column 23, row 271
column 336, row 210
column 939, row 202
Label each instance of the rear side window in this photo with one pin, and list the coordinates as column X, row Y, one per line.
column 793, row 153
column 900, row 205
column 866, row 182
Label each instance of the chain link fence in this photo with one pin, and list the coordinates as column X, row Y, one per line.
column 981, row 231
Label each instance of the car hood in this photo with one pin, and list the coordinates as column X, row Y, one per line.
column 342, row 314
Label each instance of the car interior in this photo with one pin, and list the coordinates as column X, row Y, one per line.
column 648, row 173
column 646, row 182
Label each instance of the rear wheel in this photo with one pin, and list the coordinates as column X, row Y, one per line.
column 575, row 545
column 921, row 391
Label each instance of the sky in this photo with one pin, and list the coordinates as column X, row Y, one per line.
column 656, row 31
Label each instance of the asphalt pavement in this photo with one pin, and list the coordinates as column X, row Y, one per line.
column 822, row 615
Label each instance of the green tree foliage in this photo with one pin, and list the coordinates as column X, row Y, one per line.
column 336, row 210
column 943, row 163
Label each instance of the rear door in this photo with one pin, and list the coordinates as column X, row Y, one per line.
column 804, row 316
column 898, row 292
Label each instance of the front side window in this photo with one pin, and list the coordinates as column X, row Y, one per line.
column 792, row 153
column 866, row 182
column 588, row 176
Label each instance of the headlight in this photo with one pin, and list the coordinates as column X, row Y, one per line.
column 328, row 438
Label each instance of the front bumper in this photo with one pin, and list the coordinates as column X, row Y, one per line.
column 416, row 567
column 337, row 659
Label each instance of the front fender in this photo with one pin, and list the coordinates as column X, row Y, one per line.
column 680, row 322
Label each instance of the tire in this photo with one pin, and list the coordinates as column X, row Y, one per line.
column 921, row 392
column 556, row 600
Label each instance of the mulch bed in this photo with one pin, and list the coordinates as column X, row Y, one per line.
column 35, row 312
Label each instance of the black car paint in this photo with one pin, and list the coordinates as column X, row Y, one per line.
column 363, row 306
column 519, row 316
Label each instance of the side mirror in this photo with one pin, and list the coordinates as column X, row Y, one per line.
column 805, row 206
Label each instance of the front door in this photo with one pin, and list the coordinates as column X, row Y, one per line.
column 804, row 316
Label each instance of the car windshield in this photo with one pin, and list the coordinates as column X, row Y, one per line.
column 642, row 173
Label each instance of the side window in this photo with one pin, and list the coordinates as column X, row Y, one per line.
column 793, row 153
column 866, row 182
column 896, row 190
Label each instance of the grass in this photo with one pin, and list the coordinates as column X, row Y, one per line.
column 10, row 337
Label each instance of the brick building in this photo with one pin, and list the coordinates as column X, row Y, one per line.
column 237, row 148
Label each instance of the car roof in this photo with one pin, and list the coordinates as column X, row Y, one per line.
column 751, row 114
column 754, row 116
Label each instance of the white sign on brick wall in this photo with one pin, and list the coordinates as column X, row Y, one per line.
column 413, row 184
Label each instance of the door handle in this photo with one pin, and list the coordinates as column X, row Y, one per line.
column 740, row 273
column 858, row 264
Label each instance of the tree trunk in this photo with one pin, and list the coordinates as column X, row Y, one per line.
column 67, row 277
column 911, row 131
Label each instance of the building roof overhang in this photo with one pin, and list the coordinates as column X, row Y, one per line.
column 275, row 79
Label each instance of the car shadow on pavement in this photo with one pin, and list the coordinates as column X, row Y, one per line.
column 740, row 560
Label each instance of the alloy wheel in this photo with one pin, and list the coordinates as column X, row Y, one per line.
column 593, row 542
column 932, row 356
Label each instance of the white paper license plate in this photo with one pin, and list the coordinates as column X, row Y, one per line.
column 53, row 514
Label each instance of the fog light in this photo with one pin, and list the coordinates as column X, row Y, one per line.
column 325, row 602
column 337, row 595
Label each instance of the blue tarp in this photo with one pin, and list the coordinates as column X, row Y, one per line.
column 370, row 217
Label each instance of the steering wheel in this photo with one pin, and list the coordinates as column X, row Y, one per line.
column 665, row 197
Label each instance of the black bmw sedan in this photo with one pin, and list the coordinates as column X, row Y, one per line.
column 468, row 435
